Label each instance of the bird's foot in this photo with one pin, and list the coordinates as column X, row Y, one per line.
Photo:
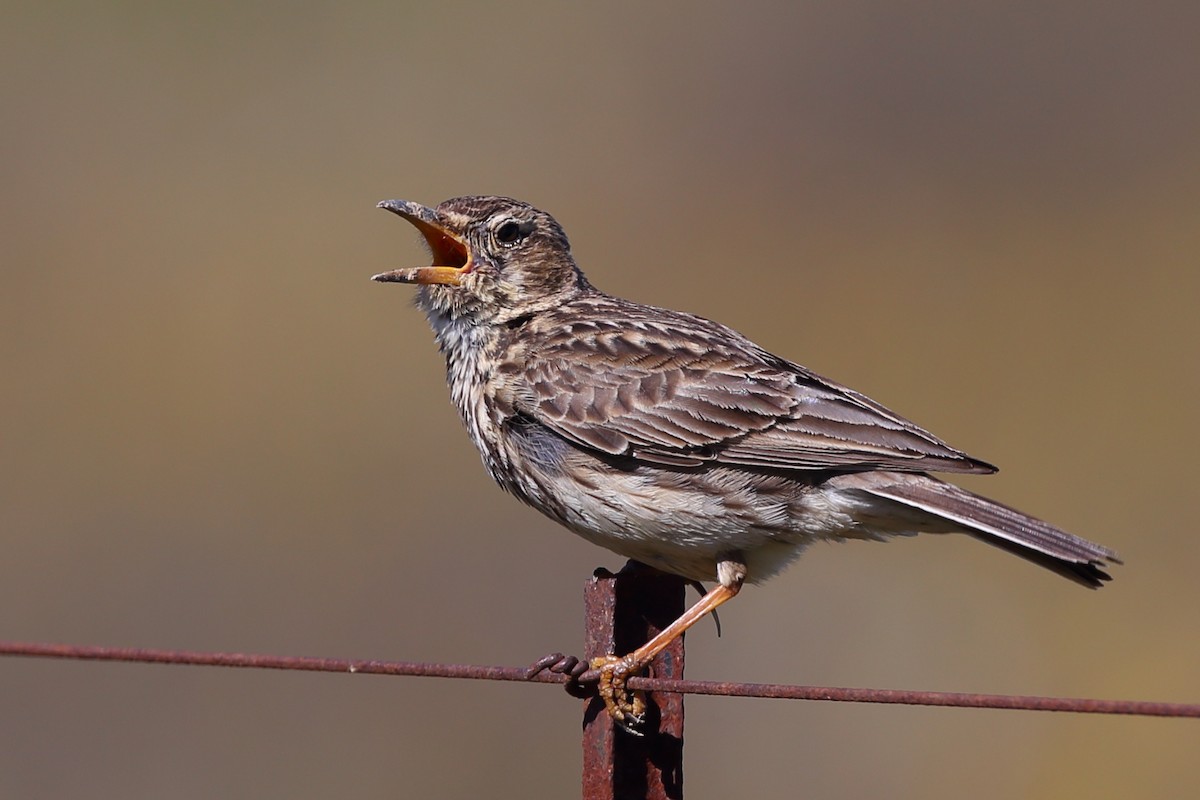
column 628, row 709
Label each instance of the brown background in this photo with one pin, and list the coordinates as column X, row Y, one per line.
column 217, row 434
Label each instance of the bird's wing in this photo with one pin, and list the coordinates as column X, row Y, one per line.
column 684, row 391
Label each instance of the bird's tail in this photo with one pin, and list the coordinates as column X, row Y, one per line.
column 1000, row 526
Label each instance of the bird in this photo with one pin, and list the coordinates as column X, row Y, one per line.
column 672, row 439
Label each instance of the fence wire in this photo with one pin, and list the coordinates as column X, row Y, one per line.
column 527, row 674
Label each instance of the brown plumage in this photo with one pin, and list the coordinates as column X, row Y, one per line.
column 670, row 438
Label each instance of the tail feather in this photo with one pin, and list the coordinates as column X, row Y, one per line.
column 1003, row 527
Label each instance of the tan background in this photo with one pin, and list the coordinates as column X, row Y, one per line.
column 218, row 435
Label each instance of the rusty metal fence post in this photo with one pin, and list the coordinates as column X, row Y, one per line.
column 622, row 612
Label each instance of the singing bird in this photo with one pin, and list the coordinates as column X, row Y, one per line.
column 672, row 439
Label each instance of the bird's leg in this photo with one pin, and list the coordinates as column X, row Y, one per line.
column 700, row 590
column 627, row 707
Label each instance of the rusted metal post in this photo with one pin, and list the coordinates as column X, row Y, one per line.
column 623, row 611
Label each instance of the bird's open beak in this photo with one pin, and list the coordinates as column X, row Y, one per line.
column 451, row 256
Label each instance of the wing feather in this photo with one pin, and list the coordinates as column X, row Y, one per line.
column 673, row 388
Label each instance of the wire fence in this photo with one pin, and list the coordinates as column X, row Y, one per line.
column 620, row 612
column 528, row 674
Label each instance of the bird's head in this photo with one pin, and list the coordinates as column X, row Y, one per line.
column 494, row 258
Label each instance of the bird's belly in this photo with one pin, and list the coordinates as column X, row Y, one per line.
column 685, row 521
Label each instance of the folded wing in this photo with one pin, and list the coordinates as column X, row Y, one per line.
column 695, row 392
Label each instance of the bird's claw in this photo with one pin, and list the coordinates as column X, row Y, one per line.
column 628, row 709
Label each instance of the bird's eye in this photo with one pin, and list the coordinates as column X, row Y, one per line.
column 511, row 232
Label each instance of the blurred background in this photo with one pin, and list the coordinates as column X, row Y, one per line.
column 219, row 435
